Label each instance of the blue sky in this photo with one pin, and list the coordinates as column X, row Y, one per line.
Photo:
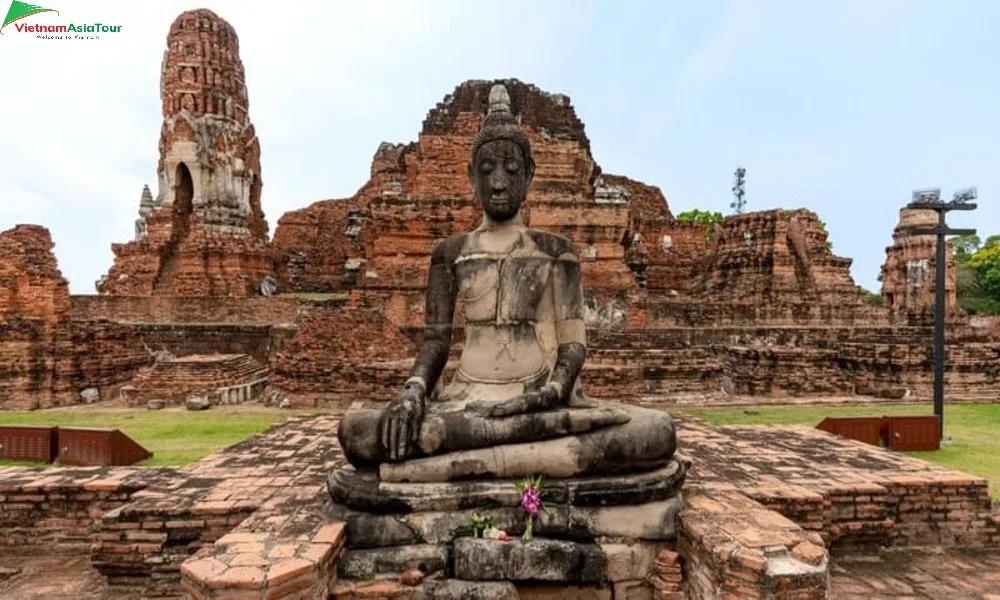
column 840, row 107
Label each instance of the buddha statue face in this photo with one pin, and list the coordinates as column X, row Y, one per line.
column 500, row 177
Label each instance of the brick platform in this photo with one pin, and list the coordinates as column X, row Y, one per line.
column 250, row 521
column 735, row 547
column 52, row 510
column 849, row 492
column 278, row 477
column 917, row 575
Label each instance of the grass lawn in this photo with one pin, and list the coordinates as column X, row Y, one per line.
column 175, row 436
column 975, row 429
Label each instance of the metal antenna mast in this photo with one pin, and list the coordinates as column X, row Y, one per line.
column 739, row 190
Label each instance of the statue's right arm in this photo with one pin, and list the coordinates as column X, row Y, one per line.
column 439, row 312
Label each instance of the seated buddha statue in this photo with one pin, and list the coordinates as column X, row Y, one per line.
column 515, row 405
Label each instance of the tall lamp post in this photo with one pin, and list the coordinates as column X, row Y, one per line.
column 930, row 199
column 739, row 190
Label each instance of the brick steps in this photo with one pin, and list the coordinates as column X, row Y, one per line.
column 175, row 380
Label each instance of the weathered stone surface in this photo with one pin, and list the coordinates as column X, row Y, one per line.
column 561, row 591
column 538, row 559
column 204, row 233
column 368, row 564
column 630, row 561
column 364, row 491
column 197, row 403
column 454, row 589
column 651, row 521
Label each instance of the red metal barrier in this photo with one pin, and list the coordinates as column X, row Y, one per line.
column 863, row 429
column 29, row 443
column 98, row 447
column 914, row 433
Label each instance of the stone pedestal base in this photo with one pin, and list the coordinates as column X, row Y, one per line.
column 591, row 527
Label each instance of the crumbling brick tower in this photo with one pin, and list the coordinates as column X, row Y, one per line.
column 910, row 264
column 204, row 233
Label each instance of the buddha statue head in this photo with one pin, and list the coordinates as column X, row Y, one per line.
column 502, row 165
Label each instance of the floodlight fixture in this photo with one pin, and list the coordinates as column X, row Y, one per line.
column 965, row 195
column 927, row 195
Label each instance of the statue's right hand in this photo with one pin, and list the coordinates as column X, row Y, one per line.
column 399, row 429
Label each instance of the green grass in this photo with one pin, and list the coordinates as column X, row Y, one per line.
column 975, row 429
column 174, row 436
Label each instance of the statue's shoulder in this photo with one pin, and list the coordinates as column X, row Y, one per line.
column 553, row 244
column 448, row 249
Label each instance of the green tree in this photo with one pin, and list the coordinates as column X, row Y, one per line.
column 977, row 276
column 986, row 263
column 703, row 217
column 965, row 246
column 871, row 297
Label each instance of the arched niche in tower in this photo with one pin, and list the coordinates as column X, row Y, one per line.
column 183, row 196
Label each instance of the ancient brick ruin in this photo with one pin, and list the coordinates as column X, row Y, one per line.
column 204, row 233
column 910, row 263
column 658, row 290
column 755, row 306
column 767, row 509
column 47, row 358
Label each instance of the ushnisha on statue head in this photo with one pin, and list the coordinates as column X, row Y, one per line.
column 502, row 164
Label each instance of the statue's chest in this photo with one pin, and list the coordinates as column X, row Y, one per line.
column 502, row 289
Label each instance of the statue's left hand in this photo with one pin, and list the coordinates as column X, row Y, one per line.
column 533, row 401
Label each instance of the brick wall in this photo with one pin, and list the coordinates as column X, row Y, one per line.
column 184, row 309
column 54, row 510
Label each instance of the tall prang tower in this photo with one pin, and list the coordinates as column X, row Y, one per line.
column 204, row 233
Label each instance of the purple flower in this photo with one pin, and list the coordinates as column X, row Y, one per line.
column 531, row 500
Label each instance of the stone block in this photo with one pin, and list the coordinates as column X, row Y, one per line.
column 534, row 560
column 454, row 589
column 630, row 561
column 366, row 564
column 197, row 403
column 561, row 592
